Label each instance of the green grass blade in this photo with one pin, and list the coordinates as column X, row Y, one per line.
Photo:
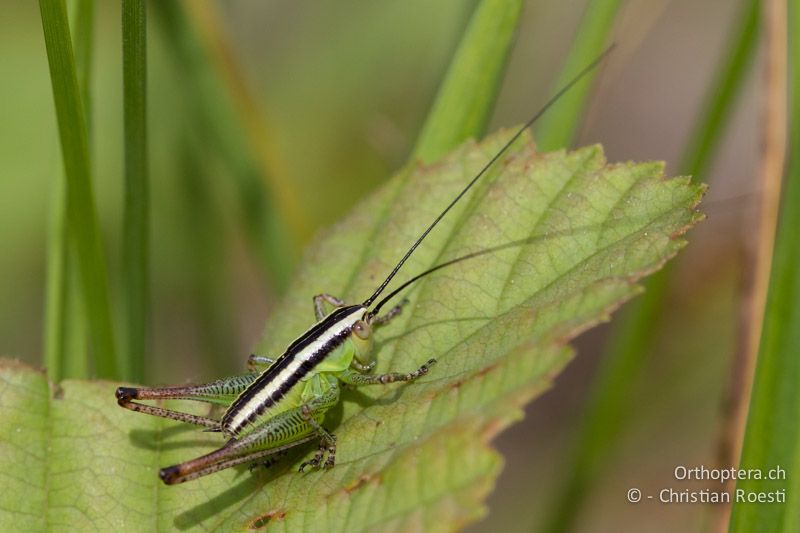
column 81, row 215
column 634, row 331
column 275, row 228
column 76, row 352
column 64, row 342
column 716, row 107
column 57, row 286
column 83, row 42
column 772, row 436
column 75, row 341
column 465, row 100
column 136, row 227
column 65, row 348
column 557, row 128
column 205, row 250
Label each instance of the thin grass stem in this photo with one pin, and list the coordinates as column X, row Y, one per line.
column 83, row 230
column 467, row 95
column 636, row 327
column 135, row 244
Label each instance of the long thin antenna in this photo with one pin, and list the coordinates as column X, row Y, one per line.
column 471, row 255
column 433, row 269
column 591, row 66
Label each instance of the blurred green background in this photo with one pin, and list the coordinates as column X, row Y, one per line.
column 341, row 90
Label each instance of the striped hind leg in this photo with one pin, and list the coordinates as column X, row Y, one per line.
column 220, row 392
column 284, row 431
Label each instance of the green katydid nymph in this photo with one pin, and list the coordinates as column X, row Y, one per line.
column 284, row 405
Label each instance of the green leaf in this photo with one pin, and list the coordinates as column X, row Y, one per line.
column 410, row 456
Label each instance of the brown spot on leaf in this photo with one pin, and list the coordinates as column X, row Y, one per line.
column 260, row 522
column 485, row 370
column 360, row 482
column 477, row 375
column 492, row 428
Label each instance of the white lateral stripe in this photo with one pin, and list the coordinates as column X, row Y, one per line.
column 240, row 418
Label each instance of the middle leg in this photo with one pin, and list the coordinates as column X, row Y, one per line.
column 319, row 304
column 258, row 363
column 356, row 378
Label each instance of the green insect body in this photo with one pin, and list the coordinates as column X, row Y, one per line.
column 281, row 403
column 284, row 405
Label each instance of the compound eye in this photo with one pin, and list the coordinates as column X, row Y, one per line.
column 362, row 330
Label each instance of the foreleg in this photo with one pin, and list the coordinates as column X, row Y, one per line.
column 390, row 314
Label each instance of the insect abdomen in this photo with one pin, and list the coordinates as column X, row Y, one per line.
column 273, row 386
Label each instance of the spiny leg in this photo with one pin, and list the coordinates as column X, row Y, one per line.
column 319, row 301
column 324, row 446
column 225, row 457
column 327, row 442
column 222, row 391
column 124, row 401
column 281, row 432
column 390, row 314
column 355, row 378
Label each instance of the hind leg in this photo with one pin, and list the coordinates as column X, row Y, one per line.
column 221, row 392
column 286, row 430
